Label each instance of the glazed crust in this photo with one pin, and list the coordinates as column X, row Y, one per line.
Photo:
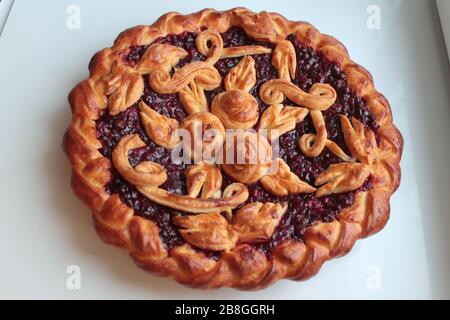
column 242, row 267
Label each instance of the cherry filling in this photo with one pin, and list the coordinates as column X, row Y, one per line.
column 304, row 209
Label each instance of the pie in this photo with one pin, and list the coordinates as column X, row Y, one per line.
column 330, row 150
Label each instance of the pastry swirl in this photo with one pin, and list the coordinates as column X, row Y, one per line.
column 197, row 205
column 308, row 140
column 145, row 173
column 206, row 136
column 320, row 97
column 248, row 158
column 313, row 145
column 210, row 44
column 236, row 109
column 206, row 75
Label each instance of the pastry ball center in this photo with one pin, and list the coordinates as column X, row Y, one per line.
column 237, row 109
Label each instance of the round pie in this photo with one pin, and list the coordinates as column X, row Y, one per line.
column 330, row 150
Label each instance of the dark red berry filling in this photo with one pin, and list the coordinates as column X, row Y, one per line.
column 134, row 54
column 304, row 210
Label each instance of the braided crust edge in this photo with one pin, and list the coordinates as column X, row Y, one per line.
column 243, row 267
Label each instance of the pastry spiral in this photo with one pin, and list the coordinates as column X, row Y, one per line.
column 145, row 174
column 321, row 96
column 206, row 136
column 236, row 109
column 248, row 158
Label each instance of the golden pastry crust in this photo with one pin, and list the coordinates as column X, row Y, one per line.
column 113, row 84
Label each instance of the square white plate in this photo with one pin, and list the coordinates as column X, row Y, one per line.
column 45, row 229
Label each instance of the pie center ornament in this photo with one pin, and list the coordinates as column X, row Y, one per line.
column 241, row 224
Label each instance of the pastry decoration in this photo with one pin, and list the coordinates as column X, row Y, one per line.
column 284, row 182
column 205, row 76
column 247, row 156
column 320, row 96
column 279, row 120
column 360, row 140
column 206, row 136
column 240, row 214
column 160, row 129
column 256, row 222
column 284, row 60
column 209, row 231
column 313, row 147
column 342, row 177
column 160, row 56
column 148, row 176
column 204, row 180
column 247, row 159
column 146, row 173
column 236, row 107
column 210, row 44
column 123, row 89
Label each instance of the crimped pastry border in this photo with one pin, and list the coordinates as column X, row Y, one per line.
column 243, row 267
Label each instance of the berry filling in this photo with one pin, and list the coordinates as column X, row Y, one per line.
column 303, row 210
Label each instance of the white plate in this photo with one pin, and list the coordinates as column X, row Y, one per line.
column 45, row 228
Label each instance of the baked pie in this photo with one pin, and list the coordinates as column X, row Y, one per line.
column 330, row 150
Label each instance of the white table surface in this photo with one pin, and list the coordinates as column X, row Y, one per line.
column 45, row 228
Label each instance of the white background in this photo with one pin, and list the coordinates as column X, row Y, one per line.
column 45, row 228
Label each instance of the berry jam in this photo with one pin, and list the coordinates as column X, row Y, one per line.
column 303, row 210
column 134, row 54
